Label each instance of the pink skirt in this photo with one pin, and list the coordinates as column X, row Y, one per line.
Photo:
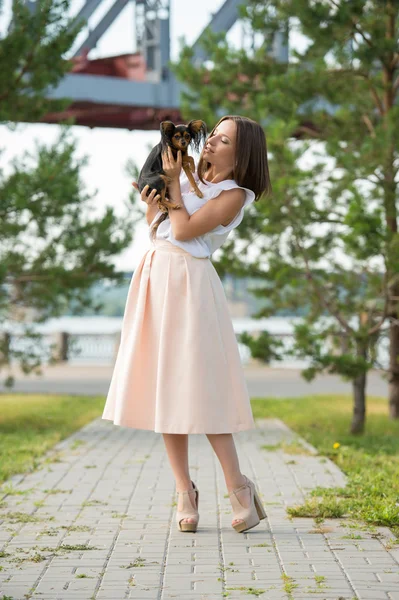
column 178, row 367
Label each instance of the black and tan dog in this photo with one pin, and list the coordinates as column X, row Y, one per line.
column 177, row 137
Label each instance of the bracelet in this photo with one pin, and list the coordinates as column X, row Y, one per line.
column 175, row 206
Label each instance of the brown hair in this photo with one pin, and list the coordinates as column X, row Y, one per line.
column 251, row 169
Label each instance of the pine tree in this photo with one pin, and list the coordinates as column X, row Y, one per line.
column 32, row 58
column 328, row 238
column 52, row 246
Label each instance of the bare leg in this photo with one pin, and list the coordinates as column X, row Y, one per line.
column 176, row 445
column 224, row 447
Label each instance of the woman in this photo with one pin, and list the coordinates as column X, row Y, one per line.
column 178, row 368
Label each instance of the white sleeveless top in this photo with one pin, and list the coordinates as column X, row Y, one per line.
column 204, row 245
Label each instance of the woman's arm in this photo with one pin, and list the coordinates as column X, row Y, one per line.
column 178, row 218
column 216, row 211
column 152, row 210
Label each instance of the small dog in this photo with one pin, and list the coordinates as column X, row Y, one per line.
column 178, row 137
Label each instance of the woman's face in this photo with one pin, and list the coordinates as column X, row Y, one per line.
column 220, row 148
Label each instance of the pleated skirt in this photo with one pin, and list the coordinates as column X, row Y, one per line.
column 178, row 367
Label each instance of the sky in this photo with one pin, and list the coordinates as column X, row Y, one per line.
column 108, row 150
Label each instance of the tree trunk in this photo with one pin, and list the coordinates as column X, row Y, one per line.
column 391, row 213
column 359, row 394
column 394, row 370
column 359, row 404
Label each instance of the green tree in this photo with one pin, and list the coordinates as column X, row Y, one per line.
column 328, row 237
column 32, row 58
column 52, row 247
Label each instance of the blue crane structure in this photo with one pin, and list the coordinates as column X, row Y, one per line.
column 137, row 90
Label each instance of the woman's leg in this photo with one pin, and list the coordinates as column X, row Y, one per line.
column 176, row 445
column 224, row 447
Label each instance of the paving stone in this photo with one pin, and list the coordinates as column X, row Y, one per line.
column 128, row 503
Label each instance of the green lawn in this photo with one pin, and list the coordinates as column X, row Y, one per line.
column 370, row 461
column 32, row 424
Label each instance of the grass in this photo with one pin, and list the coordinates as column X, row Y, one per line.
column 31, row 424
column 370, row 461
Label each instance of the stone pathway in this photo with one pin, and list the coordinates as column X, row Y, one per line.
column 97, row 522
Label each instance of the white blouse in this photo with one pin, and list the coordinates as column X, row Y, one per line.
column 203, row 245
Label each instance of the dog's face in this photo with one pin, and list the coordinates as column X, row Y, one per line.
column 180, row 136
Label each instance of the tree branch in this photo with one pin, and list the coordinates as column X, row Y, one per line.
column 376, row 97
column 309, row 131
column 384, row 312
column 368, row 42
column 18, row 79
column 395, row 60
column 369, row 125
column 365, row 76
column 380, row 367
column 321, row 294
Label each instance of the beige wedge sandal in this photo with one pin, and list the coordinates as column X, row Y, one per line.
column 188, row 512
column 250, row 516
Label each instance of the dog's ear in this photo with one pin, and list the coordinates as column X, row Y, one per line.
column 197, row 129
column 167, row 129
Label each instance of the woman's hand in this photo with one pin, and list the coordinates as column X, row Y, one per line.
column 152, row 198
column 171, row 166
